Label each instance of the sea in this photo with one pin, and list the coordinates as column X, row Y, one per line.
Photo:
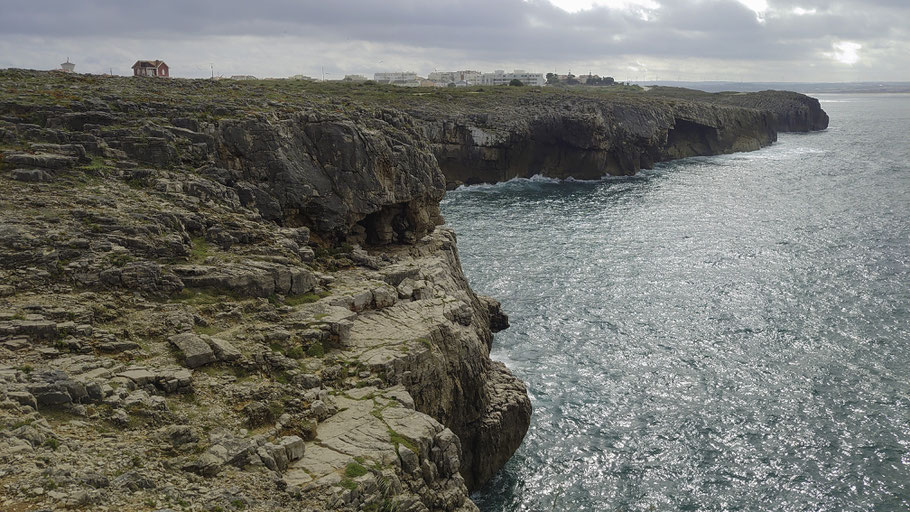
column 717, row 333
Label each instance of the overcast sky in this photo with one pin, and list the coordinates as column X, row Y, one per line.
column 739, row 40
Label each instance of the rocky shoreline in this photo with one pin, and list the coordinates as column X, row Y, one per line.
column 585, row 137
column 224, row 296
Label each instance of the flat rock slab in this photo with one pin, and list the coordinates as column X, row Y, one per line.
column 196, row 351
column 363, row 428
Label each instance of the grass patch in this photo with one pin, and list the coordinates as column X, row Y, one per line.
column 120, row 259
column 306, row 298
column 209, row 329
column 200, row 297
column 199, row 249
column 355, row 469
column 96, row 164
column 316, row 350
column 349, row 484
column 276, row 409
column 398, row 439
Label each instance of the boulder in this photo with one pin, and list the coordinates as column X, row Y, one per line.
column 40, row 160
column 196, row 351
column 31, row 175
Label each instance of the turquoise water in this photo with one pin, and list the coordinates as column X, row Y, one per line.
column 720, row 333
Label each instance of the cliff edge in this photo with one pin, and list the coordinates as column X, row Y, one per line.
column 239, row 296
column 212, row 301
column 591, row 135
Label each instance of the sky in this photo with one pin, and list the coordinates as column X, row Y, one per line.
column 689, row 40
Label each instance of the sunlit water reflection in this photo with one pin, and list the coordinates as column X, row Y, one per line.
column 722, row 333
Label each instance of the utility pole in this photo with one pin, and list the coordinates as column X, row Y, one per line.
column 212, row 66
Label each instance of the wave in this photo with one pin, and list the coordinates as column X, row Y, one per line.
column 537, row 179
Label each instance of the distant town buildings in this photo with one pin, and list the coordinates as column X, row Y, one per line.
column 400, row 78
column 461, row 78
column 68, row 67
column 500, row 77
column 155, row 68
column 465, row 77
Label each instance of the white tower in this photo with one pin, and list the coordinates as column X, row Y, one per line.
column 68, row 66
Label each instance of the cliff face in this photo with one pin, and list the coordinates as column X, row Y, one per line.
column 212, row 305
column 366, row 177
column 238, row 296
column 793, row 112
column 589, row 137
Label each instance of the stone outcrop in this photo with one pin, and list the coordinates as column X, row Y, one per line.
column 588, row 137
column 585, row 138
column 793, row 112
column 371, row 176
column 262, row 301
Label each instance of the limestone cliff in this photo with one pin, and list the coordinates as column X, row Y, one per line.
column 238, row 296
column 588, row 136
column 208, row 305
column 793, row 112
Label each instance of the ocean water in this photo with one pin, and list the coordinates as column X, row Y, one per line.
column 719, row 333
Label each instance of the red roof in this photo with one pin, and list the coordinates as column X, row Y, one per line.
column 148, row 64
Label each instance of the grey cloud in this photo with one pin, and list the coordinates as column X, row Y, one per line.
column 478, row 30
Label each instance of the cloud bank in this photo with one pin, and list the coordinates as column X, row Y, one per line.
column 755, row 40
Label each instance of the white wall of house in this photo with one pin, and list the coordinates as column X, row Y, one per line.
column 500, row 77
column 400, row 76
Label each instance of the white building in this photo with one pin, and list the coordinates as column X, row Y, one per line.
column 302, row 77
column 500, row 77
column 395, row 78
column 243, row 77
column 471, row 77
column 448, row 77
column 68, row 66
column 442, row 77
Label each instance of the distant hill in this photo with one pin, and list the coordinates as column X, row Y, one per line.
column 803, row 87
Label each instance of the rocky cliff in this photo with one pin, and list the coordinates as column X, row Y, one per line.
column 239, row 296
column 591, row 136
column 212, row 302
column 793, row 112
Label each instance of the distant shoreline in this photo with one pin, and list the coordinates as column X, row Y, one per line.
column 801, row 87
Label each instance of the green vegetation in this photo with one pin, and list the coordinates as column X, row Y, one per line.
column 209, row 330
column 306, row 298
column 199, row 250
column 96, row 165
column 398, row 439
column 349, row 484
column 203, row 296
column 354, row 469
column 120, row 259
column 316, row 350
column 276, row 409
